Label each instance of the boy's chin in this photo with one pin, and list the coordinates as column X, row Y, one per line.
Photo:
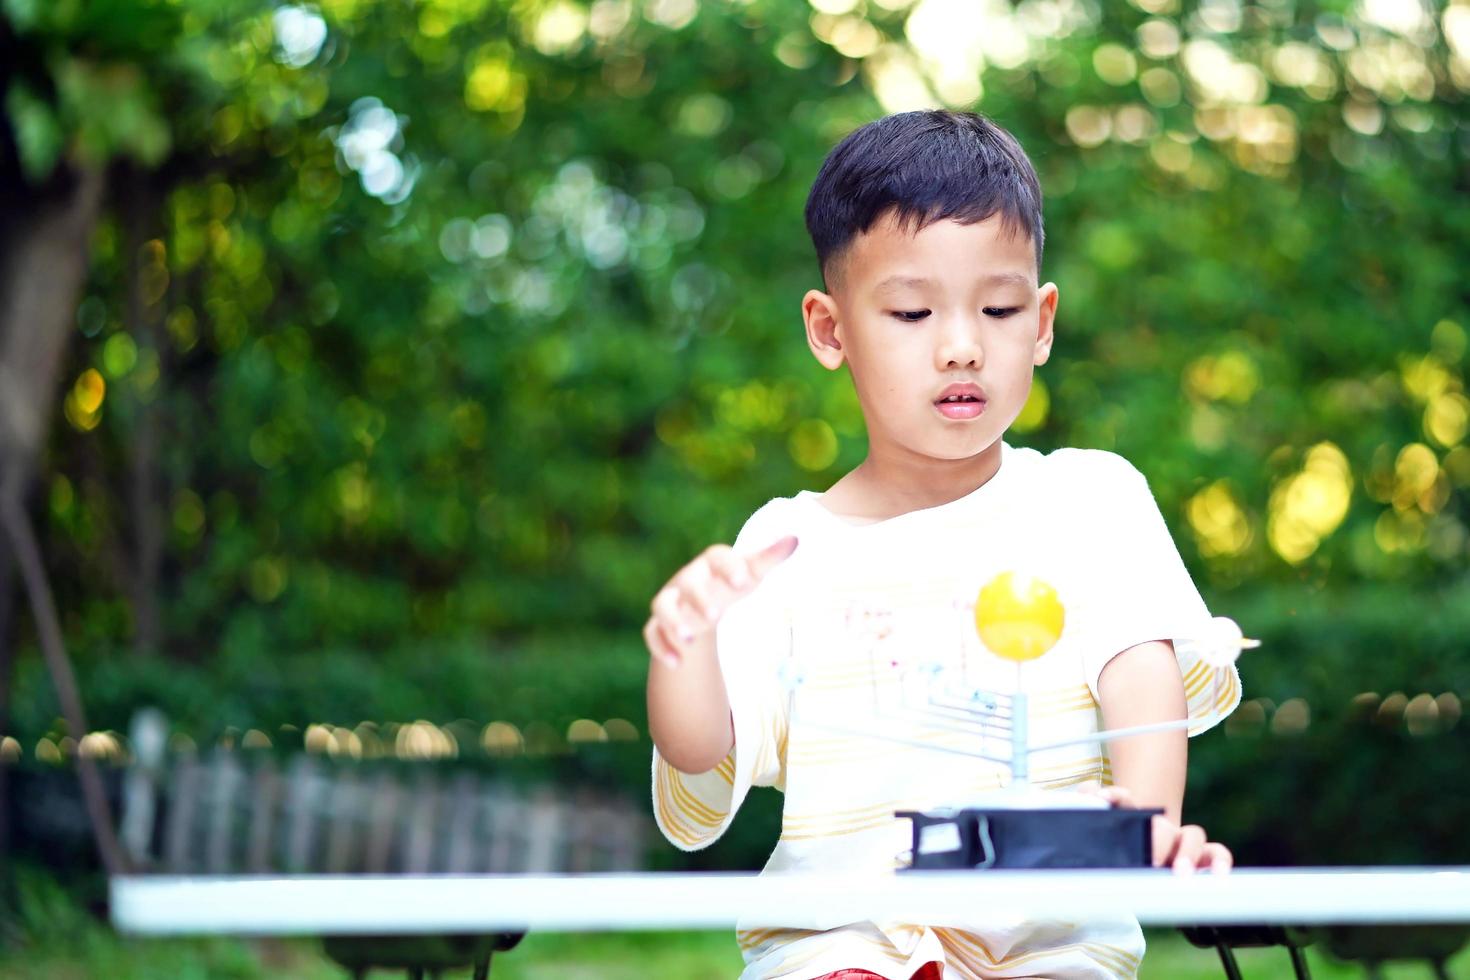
column 951, row 453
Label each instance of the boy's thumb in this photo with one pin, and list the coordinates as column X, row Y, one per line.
column 772, row 555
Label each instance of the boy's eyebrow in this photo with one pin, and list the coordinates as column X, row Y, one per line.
column 994, row 279
column 893, row 282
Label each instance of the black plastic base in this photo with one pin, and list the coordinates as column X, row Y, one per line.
column 418, row 954
column 1004, row 838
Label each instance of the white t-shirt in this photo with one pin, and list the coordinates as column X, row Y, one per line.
column 830, row 644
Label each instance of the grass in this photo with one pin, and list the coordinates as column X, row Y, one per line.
column 97, row 952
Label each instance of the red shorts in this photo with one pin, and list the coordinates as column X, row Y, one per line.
column 929, row 971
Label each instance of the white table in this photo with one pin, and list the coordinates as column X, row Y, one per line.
column 444, row 904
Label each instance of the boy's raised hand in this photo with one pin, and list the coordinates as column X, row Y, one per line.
column 687, row 609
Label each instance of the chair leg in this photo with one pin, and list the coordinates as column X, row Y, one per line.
column 1299, row 963
column 482, row 968
column 1227, row 960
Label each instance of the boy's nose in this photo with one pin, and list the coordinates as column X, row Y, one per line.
column 959, row 346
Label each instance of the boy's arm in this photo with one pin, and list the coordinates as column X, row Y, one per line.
column 689, row 711
column 689, row 714
column 1141, row 686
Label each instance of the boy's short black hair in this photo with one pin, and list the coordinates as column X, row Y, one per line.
column 924, row 166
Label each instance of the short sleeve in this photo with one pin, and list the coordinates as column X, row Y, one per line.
column 1139, row 589
column 753, row 640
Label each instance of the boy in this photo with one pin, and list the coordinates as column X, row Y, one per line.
column 928, row 230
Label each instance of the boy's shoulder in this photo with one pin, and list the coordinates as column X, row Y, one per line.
column 1099, row 463
column 773, row 519
column 1079, row 479
column 1086, row 484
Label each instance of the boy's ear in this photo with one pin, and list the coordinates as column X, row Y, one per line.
column 819, row 311
column 1046, row 297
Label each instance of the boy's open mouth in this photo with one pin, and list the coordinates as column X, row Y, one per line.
column 961, row 401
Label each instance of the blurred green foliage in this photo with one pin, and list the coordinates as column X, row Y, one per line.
column 479, row 318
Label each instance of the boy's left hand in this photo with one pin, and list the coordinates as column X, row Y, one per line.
column 1185, row 849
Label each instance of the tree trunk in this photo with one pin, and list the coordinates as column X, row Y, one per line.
column 15, row 531
column 43, row 265
column 44, row 260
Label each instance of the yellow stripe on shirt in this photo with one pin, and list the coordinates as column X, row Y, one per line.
column 1198, row 684
column 1112, row 958
column 980, row 955
column 672, row 822
column 697, row 811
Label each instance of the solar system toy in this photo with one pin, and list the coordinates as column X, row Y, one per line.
column 1019, row 618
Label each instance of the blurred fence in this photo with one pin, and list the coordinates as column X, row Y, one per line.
column 226, row 811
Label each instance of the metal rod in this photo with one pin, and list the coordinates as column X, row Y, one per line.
column 1108, row 736
column 1020, row 731
column 913, row 743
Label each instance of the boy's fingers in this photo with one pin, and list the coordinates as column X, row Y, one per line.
column 770, row 556
column 1166, row 840
column 658, row 644
column 668, row 611
column 1217, row 858
column 698, row 595
column 730, row 568
column 693, row 586
column 1191, row 844
column 670, row 642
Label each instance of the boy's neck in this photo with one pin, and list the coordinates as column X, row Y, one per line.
column 887, row 485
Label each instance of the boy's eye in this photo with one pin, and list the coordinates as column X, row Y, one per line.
column 995, row 312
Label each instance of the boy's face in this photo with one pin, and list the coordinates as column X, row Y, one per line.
column 918, row 316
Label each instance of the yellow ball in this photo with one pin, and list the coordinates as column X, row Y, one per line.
column 1018, row 617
